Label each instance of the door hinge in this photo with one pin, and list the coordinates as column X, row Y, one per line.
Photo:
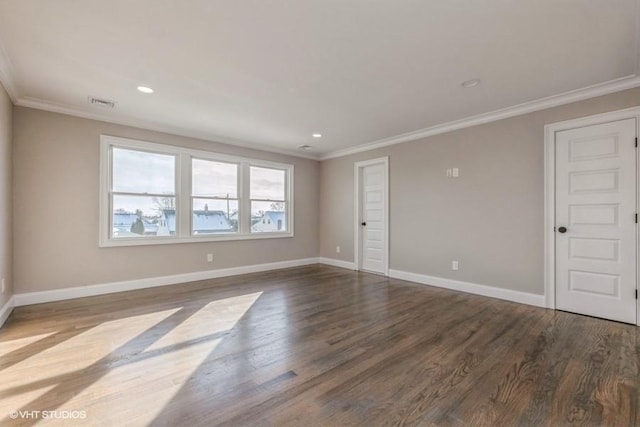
column 636, row 218
column 636, row 142
column 636, row 294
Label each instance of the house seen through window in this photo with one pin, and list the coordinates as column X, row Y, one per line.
column 214, row 202
column 268, row 201
column 143, row 188
column 164, row 194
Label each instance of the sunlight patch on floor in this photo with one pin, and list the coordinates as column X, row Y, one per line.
column 10, row 345
column 80, row 351
column 126, row 387
column 216, row 317
column 19, row 400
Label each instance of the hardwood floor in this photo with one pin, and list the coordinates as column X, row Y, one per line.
column 314, row 346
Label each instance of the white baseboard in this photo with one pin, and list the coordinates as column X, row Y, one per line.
column 129, row 285
column 472, row 288
column 6, row 310
column 337, row 263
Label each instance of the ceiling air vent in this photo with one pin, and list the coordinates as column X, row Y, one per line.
column 104, row 103
column 305, row 147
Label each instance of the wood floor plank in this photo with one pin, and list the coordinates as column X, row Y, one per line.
column 315, row 346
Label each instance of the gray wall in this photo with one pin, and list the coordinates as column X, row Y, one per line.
column 490, row 219
column 6, row 190
column 56, row 185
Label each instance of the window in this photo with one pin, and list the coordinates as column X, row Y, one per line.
column 153, row 193
column 214, row 201
column 143, row 187
column 268, row 199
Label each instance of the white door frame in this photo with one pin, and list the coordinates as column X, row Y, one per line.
column 357, row 214
column 550, row 131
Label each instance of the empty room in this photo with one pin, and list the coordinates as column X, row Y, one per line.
column 319, row 213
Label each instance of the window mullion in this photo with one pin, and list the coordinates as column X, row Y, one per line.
column 183, row 188
column 288, row 195
column 245, row 202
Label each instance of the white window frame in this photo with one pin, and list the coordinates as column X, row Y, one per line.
column 183, row 176
column 192, row 197
column 286, row 193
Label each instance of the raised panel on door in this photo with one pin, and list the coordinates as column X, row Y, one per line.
column 594, row 181
column 596, row 202
column 594, row 249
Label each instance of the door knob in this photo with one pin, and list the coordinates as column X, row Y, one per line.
column 364, row 224
column 562, row 229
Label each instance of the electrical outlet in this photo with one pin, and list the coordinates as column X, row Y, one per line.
column 456, row 172
column 337, row 249
column 449, row 173
column 454, row 265
column 209, row 257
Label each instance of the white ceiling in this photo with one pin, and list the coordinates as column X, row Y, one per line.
column 271, row 73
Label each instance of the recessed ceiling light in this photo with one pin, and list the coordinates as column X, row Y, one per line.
column 317, row 135
column 305, row 147
column 470, row 83
column 145, row 89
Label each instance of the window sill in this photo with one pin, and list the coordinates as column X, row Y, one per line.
column 109, row 243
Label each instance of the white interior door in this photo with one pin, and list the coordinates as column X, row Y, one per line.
column 373, row 217
column 596, row 220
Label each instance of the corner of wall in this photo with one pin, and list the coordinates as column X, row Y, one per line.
column 6, row 310
column 6, row 205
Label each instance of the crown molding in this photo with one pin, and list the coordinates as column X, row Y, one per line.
column 600, row 89
column 616, row 85
column 8, row 82
column 54, row 107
